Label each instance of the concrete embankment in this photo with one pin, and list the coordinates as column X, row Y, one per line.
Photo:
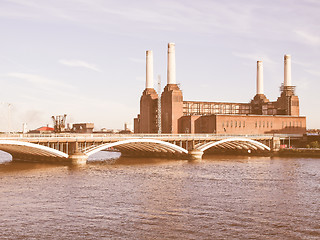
column 299, row 152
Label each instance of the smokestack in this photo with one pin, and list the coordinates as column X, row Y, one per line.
column 171, row 74
column 149, row 69
column 259, row 77
column 287, row 70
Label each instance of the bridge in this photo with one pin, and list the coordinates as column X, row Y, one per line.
column 76, row 148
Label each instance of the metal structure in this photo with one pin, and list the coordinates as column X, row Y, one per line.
column 59, row 123
column 159, row 104
column 76, row 148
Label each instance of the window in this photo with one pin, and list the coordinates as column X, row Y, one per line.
column 239, row 123
column 256, row 124
column 259, row 123
column 267, row 124
column 223, row 124
column 244, row 123
column 227, row 123
column 263, row 124
column 231, row 123
column 271, row 124
column 235, row 123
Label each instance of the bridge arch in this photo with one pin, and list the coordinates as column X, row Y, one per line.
column 18, row 147
column 235, row 143
column 142, row 145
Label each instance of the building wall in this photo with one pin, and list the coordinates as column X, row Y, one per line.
column 286, row 104
column 83, row 127
column 148, row 111
column 187, row 124
column 260, row 116
column 136, row 124
column 206, row 124
column 171, row 108
column 243, row 124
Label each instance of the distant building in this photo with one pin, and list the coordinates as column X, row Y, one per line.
column 43, row 130
column 259, row 116
column 83, row 127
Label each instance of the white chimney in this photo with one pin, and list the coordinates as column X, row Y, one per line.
column 171, row 74
column 287, row 70
column 149, row 69
column 259, row 77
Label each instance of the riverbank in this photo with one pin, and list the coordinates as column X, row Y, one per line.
column 284, row 152
column 298, row 152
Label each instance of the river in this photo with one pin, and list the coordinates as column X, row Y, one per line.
column 220, row 197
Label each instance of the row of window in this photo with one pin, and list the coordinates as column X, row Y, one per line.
column 291, row 124
column 263, row 124
column 214, row 108
column 234, row 123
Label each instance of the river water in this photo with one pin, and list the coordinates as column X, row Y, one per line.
column 221, row 197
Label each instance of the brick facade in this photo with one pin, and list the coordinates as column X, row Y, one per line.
column 260, row 116
column 171, row 108
column 242, row 124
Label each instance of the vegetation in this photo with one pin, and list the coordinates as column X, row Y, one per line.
column 314, row 144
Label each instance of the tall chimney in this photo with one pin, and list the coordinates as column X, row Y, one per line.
column 171, row 74
column 287, row 70
column 149, row 69
column 259, row 77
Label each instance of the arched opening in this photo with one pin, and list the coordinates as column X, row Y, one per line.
column 5, row 157
column 235, row 146
column 141, row 148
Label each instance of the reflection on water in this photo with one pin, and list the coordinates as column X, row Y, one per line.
column 221, row 197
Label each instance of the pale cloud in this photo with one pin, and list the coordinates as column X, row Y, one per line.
column 302, row 64
column 35, row 9
column 308, row 37
column 161, row 15
column 251, row 30
column 38, row 80
column 79, row 63
column 254, row 57
column 313, row 72
column 137, row 60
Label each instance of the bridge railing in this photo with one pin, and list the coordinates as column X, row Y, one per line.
column 157, row 136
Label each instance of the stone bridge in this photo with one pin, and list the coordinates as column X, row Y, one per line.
column 76, row 148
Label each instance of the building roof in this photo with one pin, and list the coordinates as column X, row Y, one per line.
column 42, row 129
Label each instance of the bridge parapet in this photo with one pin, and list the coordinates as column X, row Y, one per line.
column 77, row 147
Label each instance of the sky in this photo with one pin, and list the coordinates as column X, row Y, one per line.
column 86, row 58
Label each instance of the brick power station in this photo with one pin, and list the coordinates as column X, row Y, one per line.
column 259, row 116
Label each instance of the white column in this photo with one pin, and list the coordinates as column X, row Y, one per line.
column 171, row 70
column 149, row 69
column 259, row 77
column 287, row 70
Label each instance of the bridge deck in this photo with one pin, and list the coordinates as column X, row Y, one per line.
column 66, row 137
column 80, row 146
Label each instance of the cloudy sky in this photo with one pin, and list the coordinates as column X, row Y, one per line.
column 86, row 58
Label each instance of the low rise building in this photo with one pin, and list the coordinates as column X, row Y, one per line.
column 83, row 127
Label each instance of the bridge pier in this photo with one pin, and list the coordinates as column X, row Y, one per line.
column 275, row 144
column 78, row 158
column 75, row 156
column 195, row 154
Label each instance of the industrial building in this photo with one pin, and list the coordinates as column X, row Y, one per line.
column 259, row 116
column 83, row 127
